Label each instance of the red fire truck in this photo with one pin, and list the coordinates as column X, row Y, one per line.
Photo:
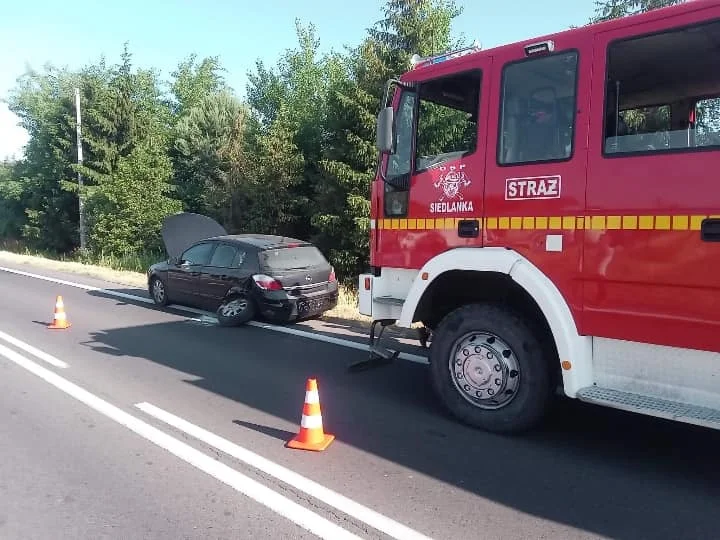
column 547, row 211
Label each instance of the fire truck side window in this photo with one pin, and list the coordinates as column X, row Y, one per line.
column 447, row 119
column 537, row 115
column 662, row 91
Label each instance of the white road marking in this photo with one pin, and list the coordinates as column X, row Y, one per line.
column 335, row 341
column 287, row 508
column 326, row 495
column 37, row 353
column 207, row 317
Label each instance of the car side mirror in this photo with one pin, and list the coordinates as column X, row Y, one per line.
column 384, row 135
column 174, row 261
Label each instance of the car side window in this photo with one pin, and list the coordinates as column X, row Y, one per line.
column 198, row 254
column 223, row 256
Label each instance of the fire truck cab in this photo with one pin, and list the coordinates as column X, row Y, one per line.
column 548, row 212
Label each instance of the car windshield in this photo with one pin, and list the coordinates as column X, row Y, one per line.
column 292, row 258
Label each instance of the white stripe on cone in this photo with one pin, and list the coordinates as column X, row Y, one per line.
column 311, row 396
column 311, row 422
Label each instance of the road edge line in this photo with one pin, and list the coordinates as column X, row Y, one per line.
column 301, row 516
column 187, row 309
column 37, row 353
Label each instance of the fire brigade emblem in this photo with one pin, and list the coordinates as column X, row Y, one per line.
column 452, row 181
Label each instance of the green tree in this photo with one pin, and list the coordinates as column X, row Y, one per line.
column 192, row 82
column 612, row 9
column 289, row 104
column 127, row 137
column 12, row 199
column 208, row 155
column 43, row 102
column 126, row 214
column 203, row 111
column 267, row 197
column 349, row 159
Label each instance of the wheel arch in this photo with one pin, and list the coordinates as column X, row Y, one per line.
column 500, row 268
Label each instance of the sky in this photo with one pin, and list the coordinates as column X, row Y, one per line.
column 161, row 33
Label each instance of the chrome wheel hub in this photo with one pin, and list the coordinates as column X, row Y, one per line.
column 485, row 370
column 158, row 290
column 233, row 308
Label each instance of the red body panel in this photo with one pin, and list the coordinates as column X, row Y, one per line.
column 564, row 191
column 655, row 285
column 434, row 229
column 649, row 283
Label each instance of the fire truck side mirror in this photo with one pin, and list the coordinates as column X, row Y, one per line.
column 384, row 135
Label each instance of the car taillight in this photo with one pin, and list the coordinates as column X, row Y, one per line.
column 332, row 275
column 267, row 283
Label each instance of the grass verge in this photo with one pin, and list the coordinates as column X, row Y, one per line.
column 130, row 271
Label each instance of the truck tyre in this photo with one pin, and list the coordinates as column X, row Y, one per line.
column 235, row 310
column 489, row 369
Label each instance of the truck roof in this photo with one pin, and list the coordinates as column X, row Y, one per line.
column 622, row 22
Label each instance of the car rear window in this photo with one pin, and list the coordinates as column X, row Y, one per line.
column 292, row 258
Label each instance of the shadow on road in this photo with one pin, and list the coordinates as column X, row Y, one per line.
column 280, row 434
column 606, row 472
column 399, row 338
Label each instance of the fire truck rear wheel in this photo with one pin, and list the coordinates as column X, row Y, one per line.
column 489, row 369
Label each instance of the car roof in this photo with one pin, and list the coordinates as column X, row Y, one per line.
column 262, row 241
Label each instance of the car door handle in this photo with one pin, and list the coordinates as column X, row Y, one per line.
column 710, row 230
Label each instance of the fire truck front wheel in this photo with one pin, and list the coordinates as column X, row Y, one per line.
column 489, row 369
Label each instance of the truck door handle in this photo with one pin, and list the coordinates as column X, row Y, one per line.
column 468, row 228
column 710, row 230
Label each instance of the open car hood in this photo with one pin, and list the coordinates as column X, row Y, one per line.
column 180, row 231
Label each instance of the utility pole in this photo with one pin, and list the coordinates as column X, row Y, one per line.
column 83, row 234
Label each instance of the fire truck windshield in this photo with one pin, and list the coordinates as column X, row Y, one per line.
column 446, row 123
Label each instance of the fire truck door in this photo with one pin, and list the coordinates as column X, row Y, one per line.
column 652, row 252
column 535, row 182
column 441, row 129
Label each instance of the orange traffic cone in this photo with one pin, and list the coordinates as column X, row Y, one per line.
column 311, row 435
column 60, row 321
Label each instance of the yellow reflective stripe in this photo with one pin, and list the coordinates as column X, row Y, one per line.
column 643, row 222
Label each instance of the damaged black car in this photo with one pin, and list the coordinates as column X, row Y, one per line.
column 240, row 277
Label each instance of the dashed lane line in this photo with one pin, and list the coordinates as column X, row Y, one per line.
column 368, row 516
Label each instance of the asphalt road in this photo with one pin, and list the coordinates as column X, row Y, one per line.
column 86, row 453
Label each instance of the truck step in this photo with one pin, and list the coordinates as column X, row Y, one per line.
column 383, row 353
column 378, row 357
column 389, row 300
column 650, row 405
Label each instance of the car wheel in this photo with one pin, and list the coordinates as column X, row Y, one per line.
column 489, row 369
column 158, row 291
column 235, row 310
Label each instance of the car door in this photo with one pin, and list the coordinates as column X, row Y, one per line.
column 221, row 272
column 185, row 277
